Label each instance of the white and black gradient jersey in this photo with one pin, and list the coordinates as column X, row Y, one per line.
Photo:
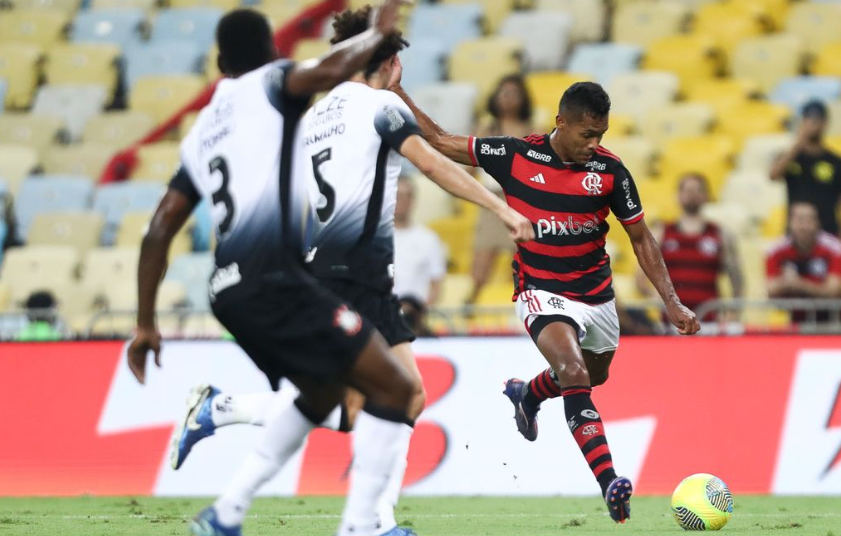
column 241, row 155
column 351, row 139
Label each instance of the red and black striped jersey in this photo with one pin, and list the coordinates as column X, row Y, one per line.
column 567, row 204
column 693, row 262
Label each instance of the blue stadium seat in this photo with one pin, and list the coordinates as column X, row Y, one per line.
column 41, row 194
column 162, row 57
column 796, row 91
column 423, row 63
column 4, row 86
column 449, row 23
column 203, row 228
column 603, row 61
column 193, row 24
column 115, row 200
column 193, row 271
column 3, row 231
column 120, row 26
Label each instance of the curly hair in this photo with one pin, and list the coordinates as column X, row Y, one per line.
column 351, row 22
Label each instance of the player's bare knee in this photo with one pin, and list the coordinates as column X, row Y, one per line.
column 574, row 373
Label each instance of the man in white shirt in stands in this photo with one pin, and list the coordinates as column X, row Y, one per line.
column 420, row 260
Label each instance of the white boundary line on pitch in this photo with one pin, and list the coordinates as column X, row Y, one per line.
column 406, row 515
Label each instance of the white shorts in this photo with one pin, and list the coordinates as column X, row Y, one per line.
column 598, row 325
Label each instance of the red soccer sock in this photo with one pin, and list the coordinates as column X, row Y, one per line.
column 586, row 426
column 542, row 387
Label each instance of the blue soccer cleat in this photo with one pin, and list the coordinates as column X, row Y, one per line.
column 197, row 425
column 207, row 524
column 618, row 499
column 400, row 531
column 524, row 415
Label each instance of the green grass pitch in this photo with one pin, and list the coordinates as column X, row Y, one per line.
column 440, row 516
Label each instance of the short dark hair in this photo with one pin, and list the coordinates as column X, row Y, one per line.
column 584, row 98
column 524, row 113
column 352, row 22
column 694, row 175
column 245, row 41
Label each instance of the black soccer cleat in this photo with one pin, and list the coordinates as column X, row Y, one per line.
column 524, row 415
column 618, row 499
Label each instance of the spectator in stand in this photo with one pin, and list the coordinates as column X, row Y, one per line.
column 806, row 263
column 40, row 310
column 812, row 172
column 510, row 110
column 420, row 263
column 695, row 249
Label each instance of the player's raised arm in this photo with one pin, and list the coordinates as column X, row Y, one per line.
column 170, row 216
column 345, row 58
column 453, row 146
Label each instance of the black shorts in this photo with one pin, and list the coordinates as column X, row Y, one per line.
column 297, row 328
column 381, row 308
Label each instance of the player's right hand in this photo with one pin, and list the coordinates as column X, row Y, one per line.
column 520, row 226
column 683, row 319
column 387, row 16
column 146, row 340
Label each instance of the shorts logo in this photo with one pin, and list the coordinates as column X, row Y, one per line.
column 348, row 321
column 589, row 414
column 538, row 156
column 492, row 151
column 592, row 182
column 556, row 302
column 590, row 429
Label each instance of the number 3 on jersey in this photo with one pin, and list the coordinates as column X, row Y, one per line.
column 222, row 195
column 327, row 201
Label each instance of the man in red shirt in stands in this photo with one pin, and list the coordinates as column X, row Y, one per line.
column 696, row 250
column 806, row 263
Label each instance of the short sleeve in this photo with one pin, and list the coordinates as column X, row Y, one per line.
column 182, row 182
column 274, row 84
column 625, row 201
column 394, row 121
column 494, row 155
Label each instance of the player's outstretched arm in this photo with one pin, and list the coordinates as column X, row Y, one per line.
column 453, row 146
column 452, row 178
column 345, row 58
column 651, row 261
column 169, row 218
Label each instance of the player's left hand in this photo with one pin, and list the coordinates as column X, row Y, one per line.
column 682, row 318
column 146, row 340
column 520, row 227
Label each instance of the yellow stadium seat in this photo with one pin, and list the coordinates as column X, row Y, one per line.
column 187, row 123
column 636, row 152
column 711, row 155
column 588, row 16
column 19, row 67
column 310, row 48
column 33, row 268
column 484, row 61
column 834, row 128
column 279, row 12
column 133, row 228
column 817, row 24
column 495, row 11
column 731, row 22
column 721, row 93
column 224, row 5
column 775, row 223
column 16, row 163
column 455, row 290
column 83, row 63
column 5, row 297
column 619, row 125
column 80, row 230
column 834, row 143
column 678, row 120
column 693, row 58
column 68, row 6
column 775, row 10
column 827, row 61
column 41, row 27
column 39, row 131
column 760, row 152
column 755, row 190
column 109, row 267
column 731, row 217
column 502, row 271
column 86, row 159
column 124, row 298
column 546, row 89
column 162, row 96
column 767, row 60
column 658, row 200
column 752, row 118
column 147, row 5
column 496, row 294
column 430, row 201
column 643, row 22
column 211, row 67
column 638, row 92
column 118, row 129
column 457, row 234
column 158, row 162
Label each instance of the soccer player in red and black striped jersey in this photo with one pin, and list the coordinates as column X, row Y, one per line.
column 567, row 184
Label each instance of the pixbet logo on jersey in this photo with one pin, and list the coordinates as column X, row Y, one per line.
column 566, row 227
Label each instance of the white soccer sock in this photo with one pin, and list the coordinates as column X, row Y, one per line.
column 252, row 408
column 286, row 428
column 241, row 409
column 388, row 500
column 376, row 444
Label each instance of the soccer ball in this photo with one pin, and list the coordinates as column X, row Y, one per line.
column 702, row 502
